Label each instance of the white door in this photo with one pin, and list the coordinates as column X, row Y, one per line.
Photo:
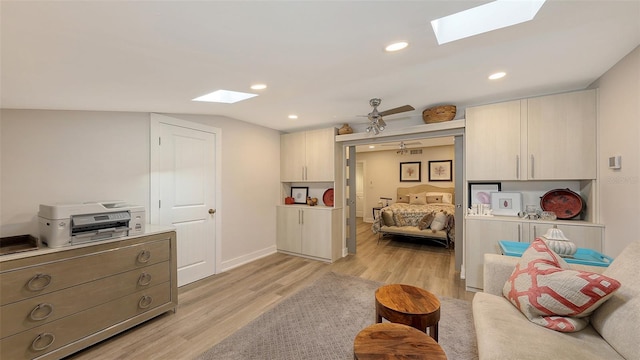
column 184, row 181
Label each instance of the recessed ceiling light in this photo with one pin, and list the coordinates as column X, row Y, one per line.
column 498, row 75
column 258, row 86
column 484, row 18
column 396, row 46
column 224, row 96
column 293, row 117
column 371, row 147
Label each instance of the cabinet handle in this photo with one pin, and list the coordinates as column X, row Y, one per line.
column 41, row 337
column 518, row 167
column 34, row 313
column 535, row 235
column 144, row 256
column 305, row 173
column 303, row 178
column 519, row 233
column 302, row 217
column 39, row 282
column 144, row 279
column 532, row 175
column 145, row 302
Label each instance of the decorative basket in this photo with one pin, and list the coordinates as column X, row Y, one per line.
column 439, row 114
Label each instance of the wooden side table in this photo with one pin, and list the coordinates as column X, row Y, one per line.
column 409, row 305
column 395, row 341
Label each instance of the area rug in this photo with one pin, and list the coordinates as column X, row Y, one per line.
column 322, row 320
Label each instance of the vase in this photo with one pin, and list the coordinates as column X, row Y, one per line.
column 345, row 129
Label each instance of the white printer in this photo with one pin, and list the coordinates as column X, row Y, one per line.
column 70, row 224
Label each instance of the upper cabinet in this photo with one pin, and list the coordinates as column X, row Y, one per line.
column 545, row 138
column 308, row 156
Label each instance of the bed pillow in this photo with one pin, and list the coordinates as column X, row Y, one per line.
column 387, row 218
column 403, row 199
column 426, row 221
column 447, row 198
column 439, row 221
column 418, row 199
column 550, row 294
column 434, row 199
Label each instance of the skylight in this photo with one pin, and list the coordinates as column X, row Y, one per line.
column 225, row 96
column 492, row 16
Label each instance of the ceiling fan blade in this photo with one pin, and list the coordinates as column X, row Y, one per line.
column 397, row 110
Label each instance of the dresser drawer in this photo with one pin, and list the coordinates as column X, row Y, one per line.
column 39, row 310
column 73, row 270
column 45, row 338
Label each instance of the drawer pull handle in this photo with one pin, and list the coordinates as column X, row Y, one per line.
column 145, row 302
column 42, row 337
column 144, row 256
column 39, row 282
column 34, row 313
column 144, row 279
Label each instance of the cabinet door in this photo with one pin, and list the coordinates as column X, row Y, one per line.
column 482, row 237
column 288, row 229
column 562, row 136
column 320, row 146
column 589, row 237
column 492, row 145
column 292, row 157
column 316, row 233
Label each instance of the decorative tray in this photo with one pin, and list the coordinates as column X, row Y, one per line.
column 327, row 197
column 20, row 243
column 582, row 256
column 565, row 203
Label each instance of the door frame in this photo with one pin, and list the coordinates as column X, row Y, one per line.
column 364, row 186
column 154, row 178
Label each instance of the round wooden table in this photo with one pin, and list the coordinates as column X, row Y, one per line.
column 395, row 341
column 409, row 305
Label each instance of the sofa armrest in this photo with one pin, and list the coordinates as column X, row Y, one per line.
column 498, row 268
column 496, row 272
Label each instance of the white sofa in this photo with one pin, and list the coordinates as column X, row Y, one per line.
column 613, row 333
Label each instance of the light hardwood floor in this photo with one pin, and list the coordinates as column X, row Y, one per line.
column 211, row 309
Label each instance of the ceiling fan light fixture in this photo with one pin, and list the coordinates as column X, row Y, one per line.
column 258, row 86
column 498, row 75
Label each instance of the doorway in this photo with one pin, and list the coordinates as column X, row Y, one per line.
column 184, row 186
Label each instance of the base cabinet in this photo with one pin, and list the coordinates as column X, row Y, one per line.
column 53, row 304
column 308, row 231
column 483, row 234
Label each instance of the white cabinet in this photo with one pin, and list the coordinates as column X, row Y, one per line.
column 483, row 234
column 492, row 145
column 308, row 156
column 309, row 231
column 561, row 136
column 546, row 138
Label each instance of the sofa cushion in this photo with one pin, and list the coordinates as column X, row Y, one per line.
column 618, row 320
column 439, row 221
column 503, row 333
column 426, row 221
column 550, row 294
column 387, row 218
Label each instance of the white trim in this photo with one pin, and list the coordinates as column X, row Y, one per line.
column 247, row 258
column 154, row 214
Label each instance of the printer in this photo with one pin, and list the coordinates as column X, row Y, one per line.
column 71, row 224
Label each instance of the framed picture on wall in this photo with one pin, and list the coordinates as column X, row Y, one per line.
column 411, row 171
column 480, row 193
column 440, row 170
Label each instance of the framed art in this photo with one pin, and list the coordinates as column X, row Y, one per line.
column 299, row 194
column 506, row 203
column 480, row 193
column 440, row 170
column 411, row 171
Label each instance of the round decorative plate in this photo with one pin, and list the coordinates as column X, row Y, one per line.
column 327, row 197
column 565, row 203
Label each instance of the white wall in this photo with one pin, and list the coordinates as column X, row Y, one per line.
column 619, row 134
column 77, row 156
column 383, row 173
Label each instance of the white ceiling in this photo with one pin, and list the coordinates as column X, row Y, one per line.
column 322, row 60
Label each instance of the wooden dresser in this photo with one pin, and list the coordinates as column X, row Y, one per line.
column 54, row 302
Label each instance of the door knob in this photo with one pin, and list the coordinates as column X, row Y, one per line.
column 212, row 211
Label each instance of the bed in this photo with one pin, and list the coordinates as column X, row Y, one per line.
column 422, row 211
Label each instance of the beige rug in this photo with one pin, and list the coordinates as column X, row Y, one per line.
column 321, row 321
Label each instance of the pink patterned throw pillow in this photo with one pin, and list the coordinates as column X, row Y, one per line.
column 550, row 294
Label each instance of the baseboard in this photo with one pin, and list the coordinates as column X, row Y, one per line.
column 245, row 259
column 345, row 252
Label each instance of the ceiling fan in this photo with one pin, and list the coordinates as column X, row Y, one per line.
column 402, row 147
column 375, row 117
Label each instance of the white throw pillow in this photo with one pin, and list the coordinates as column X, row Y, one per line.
column 439, row 221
